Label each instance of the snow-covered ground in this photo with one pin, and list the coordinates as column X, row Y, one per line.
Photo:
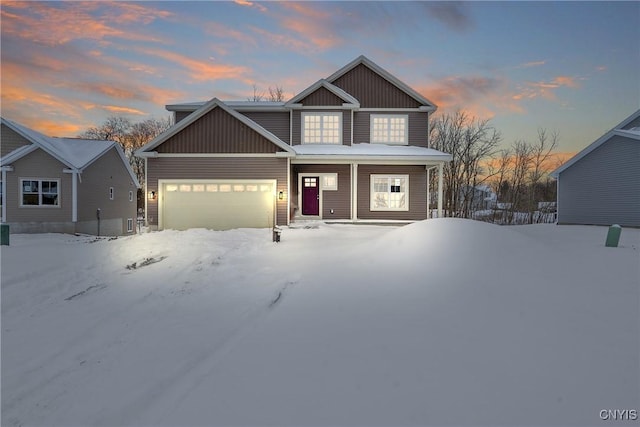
column 442, row 322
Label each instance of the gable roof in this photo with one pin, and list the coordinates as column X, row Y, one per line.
column 146, row 150
column 75, row 153
column 616, row 131
column 386, row 75
column 340, row 93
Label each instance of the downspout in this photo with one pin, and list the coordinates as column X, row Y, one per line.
column 75, row 175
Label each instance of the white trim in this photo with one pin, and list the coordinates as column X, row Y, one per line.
column 112, row 193
column 288, row 191
column 222, row 155
column 372, row 118
column 163, row 181
column 372, row 160
column 391, row 110
column 351, row 136
column 354, row 193
column 440, row 189
column 389, row 177
column 322, row 115
column 3, row 217
column 351, row 102
column 39, row 205
column 146, row 189
column 74, row 196
column 325, row 107
column 320, row 190
column 129, row 221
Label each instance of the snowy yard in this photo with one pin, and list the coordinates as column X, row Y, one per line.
column 442, row 322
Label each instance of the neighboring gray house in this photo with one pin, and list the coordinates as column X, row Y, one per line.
column 351, row 147
column 601, row 184
column 59, row 184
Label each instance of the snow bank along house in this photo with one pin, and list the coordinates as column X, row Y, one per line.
column 351, row 147
column 58, row 185
column 601, row 184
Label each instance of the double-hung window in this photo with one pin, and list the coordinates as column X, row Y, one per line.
column 322, row 128
column 390, row 129
column 40, row 192
column 389, row 192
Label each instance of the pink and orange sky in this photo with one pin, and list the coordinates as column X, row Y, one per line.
column 571, row 67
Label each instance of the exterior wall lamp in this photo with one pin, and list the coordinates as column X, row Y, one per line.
column 152, row 195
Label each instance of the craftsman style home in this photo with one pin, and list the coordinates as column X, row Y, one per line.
column 352, row 147
column 65, row 185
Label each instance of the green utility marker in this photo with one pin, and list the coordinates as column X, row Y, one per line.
column 613, row 236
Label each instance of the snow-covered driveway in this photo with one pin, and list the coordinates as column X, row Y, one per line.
column 442, row 322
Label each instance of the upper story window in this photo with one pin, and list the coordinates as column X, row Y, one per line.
column 390, row 129
column 322, row 128
column 39, row 192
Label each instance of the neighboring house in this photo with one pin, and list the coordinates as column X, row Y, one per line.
column 479, row 198
column 59, row 184
column 351, row 147
column 601, row 184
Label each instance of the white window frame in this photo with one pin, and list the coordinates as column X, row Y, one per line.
column 131, row 196
column 306, row 140
column 129, row 225
column 372, row 206
column 326, row 186
column 386, row 139
column 40, row 181
column 111, row 193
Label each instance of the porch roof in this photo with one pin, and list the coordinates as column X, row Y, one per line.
column 366, row 151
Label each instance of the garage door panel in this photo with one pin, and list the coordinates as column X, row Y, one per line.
column 184, row 208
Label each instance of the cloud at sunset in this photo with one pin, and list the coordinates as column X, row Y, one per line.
column 452, row 14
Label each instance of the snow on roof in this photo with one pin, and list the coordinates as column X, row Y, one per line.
column 75, row 153
column 366, row 149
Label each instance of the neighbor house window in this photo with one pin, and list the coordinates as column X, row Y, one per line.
column 322, row 128
column 110, row 193
column 129, row 225
column 389, row 129
column 40, row 192
column 389, row 192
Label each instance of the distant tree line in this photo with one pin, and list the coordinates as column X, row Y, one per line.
column 518, row 176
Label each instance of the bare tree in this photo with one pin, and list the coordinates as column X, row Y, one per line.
column 257, row 96
column 276, row 94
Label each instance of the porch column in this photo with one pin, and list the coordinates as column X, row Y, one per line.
column 354, row 191
column 440, row 172
column 428, row 192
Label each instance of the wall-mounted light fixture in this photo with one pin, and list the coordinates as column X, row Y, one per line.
column 152, row 195
column 281, row 195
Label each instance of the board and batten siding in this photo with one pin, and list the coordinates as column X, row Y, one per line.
column 276, row 122
column 217, row 168
column 417, row 192
column 217, row 132
column 322, row 97
column 373, row 90
column 339, row 200
column 10, row 141
column 297, row 124
column 418, row 127
column 93, row 193
column 38, row 165
column 602, row 188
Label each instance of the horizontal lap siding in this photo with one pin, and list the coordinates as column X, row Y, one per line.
column 10, row 141
column 339, row 200
column 217, row 132
column 323, row 97
column 38, row 164
column 216, row 168
column 276, row 122
column 418, row 127
column 417, row 192
column 603, row 188
column 297, row 124
column 373, row 90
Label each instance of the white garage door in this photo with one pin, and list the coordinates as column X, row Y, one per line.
column 218, row 205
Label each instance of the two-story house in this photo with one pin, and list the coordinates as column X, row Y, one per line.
column 351, row 147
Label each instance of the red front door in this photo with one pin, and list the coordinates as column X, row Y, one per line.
column 311, row 195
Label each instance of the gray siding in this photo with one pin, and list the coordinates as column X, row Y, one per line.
column 10, row 140
column 339, row 200
column 217, row 132
column 602, row 188
column 180, row 115
column 373, row 90
column 417, row 192
column 322, row 96
column 276, row 122
column 297, row 124
column 93, row 193
column 418, row 127
column 217, row 168
column 38, row 164
column 633, row 124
